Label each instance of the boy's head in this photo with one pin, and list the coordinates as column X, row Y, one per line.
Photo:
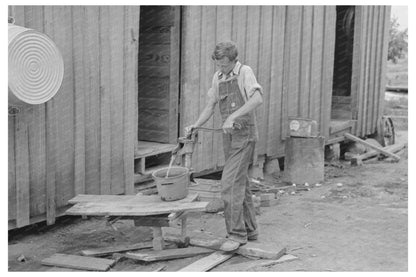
column 225, row 49
column 225, row 56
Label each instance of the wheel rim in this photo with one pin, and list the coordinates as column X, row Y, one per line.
column 388, row 131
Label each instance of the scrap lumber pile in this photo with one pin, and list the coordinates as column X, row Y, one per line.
column 151, row 211
column 376, row 152
column 263, row 254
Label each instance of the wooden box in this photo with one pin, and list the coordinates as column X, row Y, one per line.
column 303, row 127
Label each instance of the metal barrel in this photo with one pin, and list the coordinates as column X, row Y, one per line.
column 36, row 67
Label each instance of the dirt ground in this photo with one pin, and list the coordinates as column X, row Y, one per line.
column 357, row 220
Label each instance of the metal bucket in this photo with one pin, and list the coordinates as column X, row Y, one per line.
column 175, row 186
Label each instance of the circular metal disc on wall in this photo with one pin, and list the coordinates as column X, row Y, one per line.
column 36, row 67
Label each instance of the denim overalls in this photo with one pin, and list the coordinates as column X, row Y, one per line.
column 238, row 151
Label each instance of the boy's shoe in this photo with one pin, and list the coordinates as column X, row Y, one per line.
column 252, row 237
column 229, row 245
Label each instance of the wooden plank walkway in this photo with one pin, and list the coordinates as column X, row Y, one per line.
column 79, row 262
column 207, row 263
column 168, row 254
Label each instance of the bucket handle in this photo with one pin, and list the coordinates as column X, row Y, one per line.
column 165, row 184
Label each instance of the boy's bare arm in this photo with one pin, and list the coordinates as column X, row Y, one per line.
column 205, row 115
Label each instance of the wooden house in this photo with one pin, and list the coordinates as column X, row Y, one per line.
column 135, row 76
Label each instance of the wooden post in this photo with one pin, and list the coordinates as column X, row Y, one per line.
column 337, row 151
column 183, row 227
column 22, row 171
column 142, row 165
column 158, row 243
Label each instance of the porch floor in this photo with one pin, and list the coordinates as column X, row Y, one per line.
column 149, row 148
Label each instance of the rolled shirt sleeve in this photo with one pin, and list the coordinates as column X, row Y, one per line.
column 249, row 82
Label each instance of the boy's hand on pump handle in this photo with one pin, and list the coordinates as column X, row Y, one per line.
column 227, row 127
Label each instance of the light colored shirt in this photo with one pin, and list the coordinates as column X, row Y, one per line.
column 246, row 82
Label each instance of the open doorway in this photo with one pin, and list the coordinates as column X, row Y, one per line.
column 158, row 75
column 158, row 82
column 344, row 43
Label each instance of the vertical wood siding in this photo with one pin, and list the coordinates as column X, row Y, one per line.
column 290, row 50
column 81, row 141
column 369, row 63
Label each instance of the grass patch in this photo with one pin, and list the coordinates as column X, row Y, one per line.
column 397, row 73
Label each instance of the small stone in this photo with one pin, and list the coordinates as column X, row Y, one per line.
column 293, row 193
column 344, row 197
column 281, row 191
column 306, row 185
column 339, row 185
column 318, row 185
column 323, row 196
column 309, row 189
column 294, row 185
column 21, row 258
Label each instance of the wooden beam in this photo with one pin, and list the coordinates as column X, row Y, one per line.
column 257, row 264
column 78, row 262
column 105, row 102
column 152, row 221
column 51, row 161
column 102, row 251
column 168, row 254
column 22, row 170
column 335, row 140
column 207, row 263
column 133, row 209
column 85, row 198
column 356, row 139
column 391, row 148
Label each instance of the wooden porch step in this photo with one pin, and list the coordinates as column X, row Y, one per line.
column 337, row 128
column 146, row 175
column 148, row 148
column 340, row 125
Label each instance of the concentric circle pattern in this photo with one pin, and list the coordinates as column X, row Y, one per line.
column 36, row 67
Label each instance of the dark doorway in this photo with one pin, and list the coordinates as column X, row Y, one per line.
column 158, row 74
column 344, row 43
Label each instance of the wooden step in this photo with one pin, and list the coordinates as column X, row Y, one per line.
column 145, row 150
column 336, row 126
column 148, row 148
column 146, row 175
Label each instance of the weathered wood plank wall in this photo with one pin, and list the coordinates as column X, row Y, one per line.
column 369, row 63
column 290, row 49
column 81, row 141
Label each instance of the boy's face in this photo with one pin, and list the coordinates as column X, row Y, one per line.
column 225, row 65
